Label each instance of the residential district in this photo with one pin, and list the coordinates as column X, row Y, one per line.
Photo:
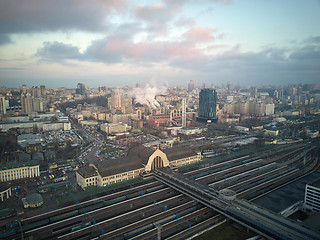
column 158, row 162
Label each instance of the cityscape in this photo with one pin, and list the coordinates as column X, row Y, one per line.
column 136, row 119
column 87, row 162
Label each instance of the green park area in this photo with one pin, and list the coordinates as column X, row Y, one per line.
column 108, row 149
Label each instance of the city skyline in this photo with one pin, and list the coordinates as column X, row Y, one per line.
column 112, row 43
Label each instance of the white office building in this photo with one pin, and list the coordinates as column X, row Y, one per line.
column 312, row 196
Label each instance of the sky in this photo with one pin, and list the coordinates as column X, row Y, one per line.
column 121, row 42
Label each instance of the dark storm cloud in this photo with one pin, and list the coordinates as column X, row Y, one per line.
column 4, row 39
column 24, row 16
column 307, row 53
column 276, row 63
column 58, row 52
column 314, row 40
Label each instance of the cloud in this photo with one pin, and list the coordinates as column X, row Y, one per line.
column 315, row 40
column 184, row 55
column 226, row 2
column 4, row 39
column 185, row 22
column 13, row 68
column 310, row 54
column 117, row 49
column 199, row 34
column 58, row 52
column 45, row 15
column 157, row 16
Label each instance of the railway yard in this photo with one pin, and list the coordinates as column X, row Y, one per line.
column 151, row 209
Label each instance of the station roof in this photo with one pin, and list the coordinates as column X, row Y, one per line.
column 14, row 164
column 176, row 153
column 137, row 157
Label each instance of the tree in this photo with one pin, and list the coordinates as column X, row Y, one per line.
column 35, row 129
column 56, row 145
column 68, row 143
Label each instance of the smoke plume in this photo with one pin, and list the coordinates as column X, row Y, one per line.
column 146, row 94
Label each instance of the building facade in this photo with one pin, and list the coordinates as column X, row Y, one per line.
column 2, row 105
column 81, row 89
column 207, row 105
column 139, row 160
column 21, row 171
column 312, row 196
column 5, row 191
column 112, row 128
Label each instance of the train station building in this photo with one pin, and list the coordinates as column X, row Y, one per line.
column 138, row 160
column 16, row 170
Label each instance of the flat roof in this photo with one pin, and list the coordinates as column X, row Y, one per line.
column 34, row 199
column 87, row 171
column 14, row 164
column 315, row 183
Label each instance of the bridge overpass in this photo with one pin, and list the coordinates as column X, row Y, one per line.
column 259, row 220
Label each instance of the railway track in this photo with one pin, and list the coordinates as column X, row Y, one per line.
column 114, row 218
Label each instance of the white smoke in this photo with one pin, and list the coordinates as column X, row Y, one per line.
column 146, row 94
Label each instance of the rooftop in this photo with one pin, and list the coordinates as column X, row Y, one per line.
column 315, row 183
column 4, row 186
column 137, row 157
column 11, row 165
column 179, row 152
column 34, row 199
column 87, row 171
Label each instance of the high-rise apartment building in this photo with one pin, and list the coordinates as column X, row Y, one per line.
column 43, row 91
column 269, row 109
column 81, row 89
column 184, row 113
column 37, row 105
column 24, row 89
column 191, row 86
column 281, row 94
column 253, row 92
column 30, row 104
column 26, row 103
column 115, row 100
column 36, row 92
column 207, row 105
column 2, row 105
column 121, row 101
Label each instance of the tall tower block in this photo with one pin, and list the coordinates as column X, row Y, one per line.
column 184, row 113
